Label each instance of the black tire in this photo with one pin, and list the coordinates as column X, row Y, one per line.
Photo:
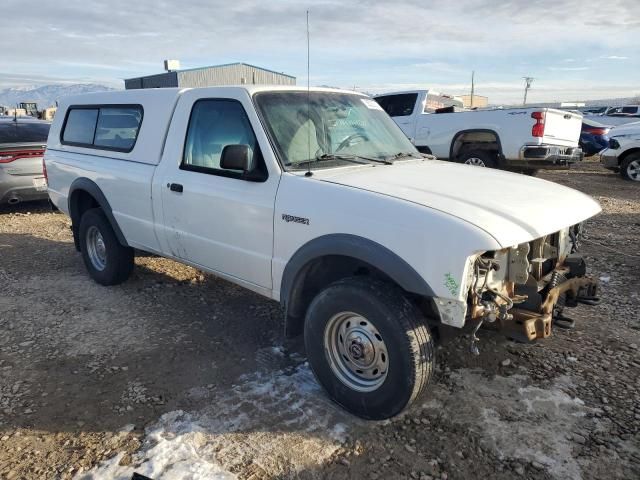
column 532, row 172
column 408, row 341
column 479, row 158
column 629, row 167
column 119, row 259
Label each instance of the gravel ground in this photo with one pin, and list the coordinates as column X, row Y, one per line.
column 176, row 374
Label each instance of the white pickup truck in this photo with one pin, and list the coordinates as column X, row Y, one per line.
column 317, row 200
column 623, row 153
column 519, row 139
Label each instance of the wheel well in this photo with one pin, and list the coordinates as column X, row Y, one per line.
column 470, row 140
column 79, row 202
column 317, row 275
column 631, row 151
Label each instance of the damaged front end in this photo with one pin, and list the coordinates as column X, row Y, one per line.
column 524, row 289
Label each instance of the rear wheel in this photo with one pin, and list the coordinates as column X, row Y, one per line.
column 369, row 347
column 630, row 167
column 108, row 262
column 479, row 158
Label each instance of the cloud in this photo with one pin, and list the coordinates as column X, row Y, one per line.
column 363, row 42
column 568, row 69
column 439, row 67
column 614, row 57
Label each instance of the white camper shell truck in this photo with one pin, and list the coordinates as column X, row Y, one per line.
column 518, row 139
column 316, row 199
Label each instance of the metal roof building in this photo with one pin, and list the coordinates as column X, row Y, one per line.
column 229, row 74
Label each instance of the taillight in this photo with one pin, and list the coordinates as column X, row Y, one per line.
column 597, row 131
column 538, row 128
column 7, row 157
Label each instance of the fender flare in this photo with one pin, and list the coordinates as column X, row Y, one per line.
column 89, row 186
column 476, row 130
column 356, row 247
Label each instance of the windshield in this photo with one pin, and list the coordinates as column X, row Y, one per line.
column 328, row 129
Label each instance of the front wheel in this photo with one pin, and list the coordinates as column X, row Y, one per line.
column 369, row 347
column 108, row 262
column 630, row 167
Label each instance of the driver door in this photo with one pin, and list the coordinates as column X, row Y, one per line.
column 213, row 217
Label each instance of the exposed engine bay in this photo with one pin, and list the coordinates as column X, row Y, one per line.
column 522, row 290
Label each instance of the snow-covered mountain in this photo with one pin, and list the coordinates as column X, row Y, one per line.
column 46, row 95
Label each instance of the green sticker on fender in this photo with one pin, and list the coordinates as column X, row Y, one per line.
column 451, row 284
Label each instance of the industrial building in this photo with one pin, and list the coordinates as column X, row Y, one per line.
column 228, row 74
column 477, row 101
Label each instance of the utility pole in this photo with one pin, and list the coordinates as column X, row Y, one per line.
column 527, row 81
column 472, row 86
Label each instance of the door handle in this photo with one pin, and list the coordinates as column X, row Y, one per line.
column 175, row 187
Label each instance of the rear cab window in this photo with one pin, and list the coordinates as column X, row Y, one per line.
column 400, row 105
column 104, row 127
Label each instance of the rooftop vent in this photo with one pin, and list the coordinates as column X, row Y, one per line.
column 171, row 65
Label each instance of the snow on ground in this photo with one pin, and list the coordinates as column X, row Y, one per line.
column 518, row 421
column 279, row 422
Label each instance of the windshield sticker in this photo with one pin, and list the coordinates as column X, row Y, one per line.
column 372, row 104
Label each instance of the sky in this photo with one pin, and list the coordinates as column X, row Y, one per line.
column 575, row 49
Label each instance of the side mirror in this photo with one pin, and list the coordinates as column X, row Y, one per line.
column 237, row 157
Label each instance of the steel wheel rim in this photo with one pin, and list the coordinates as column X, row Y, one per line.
column 475, row 161
column 96, row 248
column 356, row 352
column 633, row 170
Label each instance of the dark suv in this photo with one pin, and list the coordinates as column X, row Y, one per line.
column 22, row 143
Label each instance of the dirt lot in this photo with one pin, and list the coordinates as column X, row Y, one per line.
column 176, row 374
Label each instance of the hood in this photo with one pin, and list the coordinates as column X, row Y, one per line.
column 511, row 207
column 626, row 129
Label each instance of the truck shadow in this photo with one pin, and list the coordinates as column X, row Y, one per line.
column 75, row 351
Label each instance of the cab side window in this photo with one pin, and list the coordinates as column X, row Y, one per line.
column 213, row 125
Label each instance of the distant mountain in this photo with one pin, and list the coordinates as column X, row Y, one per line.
column 46, row 95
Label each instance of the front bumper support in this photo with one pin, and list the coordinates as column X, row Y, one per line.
column 528, row 325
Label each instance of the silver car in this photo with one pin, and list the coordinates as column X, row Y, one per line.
column 22, row 143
